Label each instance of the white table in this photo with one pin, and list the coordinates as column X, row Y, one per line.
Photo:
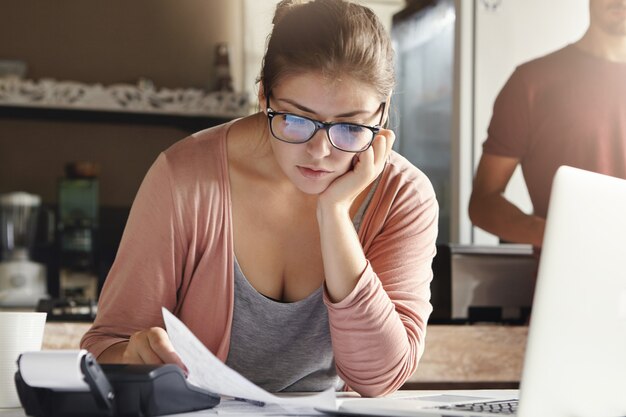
column 238, row 408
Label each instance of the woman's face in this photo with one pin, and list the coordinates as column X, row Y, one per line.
column 312, row 166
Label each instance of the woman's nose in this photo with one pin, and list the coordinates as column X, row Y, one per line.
column 319, row 146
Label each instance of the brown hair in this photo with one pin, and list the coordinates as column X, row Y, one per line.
column 334, row 37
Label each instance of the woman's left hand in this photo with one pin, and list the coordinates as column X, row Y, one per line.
column 366, row 167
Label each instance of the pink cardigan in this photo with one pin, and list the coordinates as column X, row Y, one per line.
column 177, row 252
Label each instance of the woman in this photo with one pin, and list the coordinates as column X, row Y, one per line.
column 294, row 243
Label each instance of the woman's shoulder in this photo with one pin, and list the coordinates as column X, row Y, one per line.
column 197, row 147
column 201, row 155
column 404, row 203
column 193, row 172
column 193, row 169
column 400, row 176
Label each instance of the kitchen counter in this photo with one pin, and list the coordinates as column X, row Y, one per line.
column 456, row 356
column 63, row 335
column 471, row 357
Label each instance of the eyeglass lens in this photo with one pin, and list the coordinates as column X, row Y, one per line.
column 292, row 128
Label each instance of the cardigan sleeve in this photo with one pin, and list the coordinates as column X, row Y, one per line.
column 144, row 275
column 378, row 331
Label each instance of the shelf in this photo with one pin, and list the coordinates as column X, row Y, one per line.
column 188, row 108
column 190, row 123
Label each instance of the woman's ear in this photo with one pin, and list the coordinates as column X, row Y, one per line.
column 387, row 110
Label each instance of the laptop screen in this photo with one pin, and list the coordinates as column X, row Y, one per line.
column 575, row 362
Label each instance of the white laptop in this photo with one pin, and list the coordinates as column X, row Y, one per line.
column 575, row 361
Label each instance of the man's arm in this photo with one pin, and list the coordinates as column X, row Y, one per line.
column 489, row 210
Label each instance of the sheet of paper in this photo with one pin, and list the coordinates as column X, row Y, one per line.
column 208, row 372
column 232, row 408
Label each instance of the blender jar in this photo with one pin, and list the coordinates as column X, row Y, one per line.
column 22, row 281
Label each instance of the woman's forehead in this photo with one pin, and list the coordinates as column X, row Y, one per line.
column 311, row 87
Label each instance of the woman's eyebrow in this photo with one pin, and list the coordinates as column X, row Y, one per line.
column 310, row 111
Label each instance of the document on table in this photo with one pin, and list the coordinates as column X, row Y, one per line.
column 208, row 372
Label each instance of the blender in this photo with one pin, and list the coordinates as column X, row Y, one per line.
column 22, row 281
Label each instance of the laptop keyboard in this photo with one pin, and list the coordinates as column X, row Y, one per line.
column 508, row 407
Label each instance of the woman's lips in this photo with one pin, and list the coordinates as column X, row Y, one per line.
column 313, row 173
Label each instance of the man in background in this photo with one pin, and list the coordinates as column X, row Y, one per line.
column 566, row 108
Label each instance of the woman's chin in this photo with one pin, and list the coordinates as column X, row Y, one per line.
column 312, row 187
column 315, row 189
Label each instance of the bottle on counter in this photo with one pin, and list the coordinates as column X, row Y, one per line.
column 77, row 228
column 223, row 78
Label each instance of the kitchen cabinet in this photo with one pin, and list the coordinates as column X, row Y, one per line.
column 166, row 44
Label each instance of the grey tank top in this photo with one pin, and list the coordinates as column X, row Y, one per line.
column 284, row 347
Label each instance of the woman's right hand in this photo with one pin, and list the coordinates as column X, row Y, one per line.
column 151, row 346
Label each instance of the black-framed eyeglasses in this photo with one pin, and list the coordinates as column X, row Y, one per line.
column 347, row 137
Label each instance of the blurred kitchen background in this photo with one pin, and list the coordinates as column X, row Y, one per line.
column 91, row 92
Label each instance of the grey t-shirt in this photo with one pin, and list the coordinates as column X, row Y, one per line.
column 283, row 346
